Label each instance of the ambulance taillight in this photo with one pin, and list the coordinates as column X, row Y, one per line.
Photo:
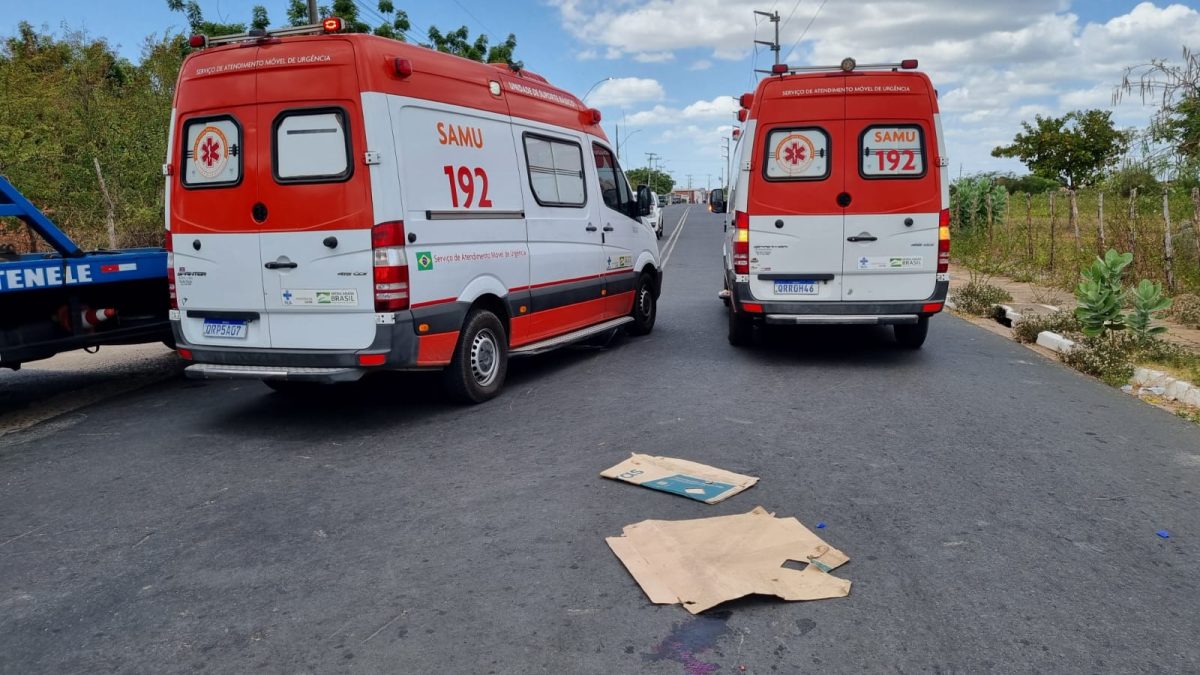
column 391, row 267
column 171, row 272
column 944, row 241
column 741, row 243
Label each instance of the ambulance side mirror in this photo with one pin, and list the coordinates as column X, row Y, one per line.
column 643, row 200
column 716, row 199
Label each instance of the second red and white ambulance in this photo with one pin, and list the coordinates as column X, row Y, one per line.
column 339, row 204
column 840, row 204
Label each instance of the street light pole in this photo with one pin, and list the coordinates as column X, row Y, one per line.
column 585, row 94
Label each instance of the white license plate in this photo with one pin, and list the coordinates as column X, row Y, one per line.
column 225, row 328
column 796, row 287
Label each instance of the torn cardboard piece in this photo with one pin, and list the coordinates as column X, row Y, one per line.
column 697, row 481
column 704, row 562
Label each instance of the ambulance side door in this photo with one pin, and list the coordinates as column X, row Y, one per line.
column 566, row 256
column 618, row 230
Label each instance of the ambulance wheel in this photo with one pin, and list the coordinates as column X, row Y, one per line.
column 741, row 329
column 912, row 335
column 645, row 307
column 480, row 362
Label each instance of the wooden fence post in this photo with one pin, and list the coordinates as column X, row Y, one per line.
column 1168, row 249
column 1074, row 216
column 1100, row 225
column 1053, row 222
column 988, row 205
column 1196, row 221
column 1029, row 228
column 110, row 218
column 1133, row 222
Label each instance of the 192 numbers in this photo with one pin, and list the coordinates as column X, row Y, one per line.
column 891, row 160
column 462, row 180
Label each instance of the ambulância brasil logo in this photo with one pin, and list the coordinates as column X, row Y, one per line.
column 210, row 152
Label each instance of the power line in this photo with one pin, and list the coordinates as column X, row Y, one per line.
column 790, row 15
column 486, row 31
column 810, row 23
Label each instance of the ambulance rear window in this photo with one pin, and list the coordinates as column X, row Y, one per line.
column 892, row 151
column 212, row 152
column 311, row 146
column 800, row 153
column 555, row 171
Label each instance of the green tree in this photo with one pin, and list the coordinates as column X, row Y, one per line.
column 660, row 182
column 200, row 26
column 458, row 42
column 1175, row 88
column 1074, row 149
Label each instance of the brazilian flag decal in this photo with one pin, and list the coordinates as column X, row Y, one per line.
column 424, row 261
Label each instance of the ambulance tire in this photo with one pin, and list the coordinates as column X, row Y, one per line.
column 741, row 329
column 645, row 307
column 480, row 362
column 912, row 336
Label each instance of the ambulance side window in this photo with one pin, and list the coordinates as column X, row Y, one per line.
column 797, row 154
column 613, row 186
column 211, row 152
column 892, row 151
column 311, row 146
column 555, row 171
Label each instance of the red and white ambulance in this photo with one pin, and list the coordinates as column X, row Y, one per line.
column 339, row 204
column 840, row 207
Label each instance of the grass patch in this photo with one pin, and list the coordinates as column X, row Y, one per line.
column 979, row 298
column 1185, row 309
column 1175, row 360
column 1026, row 330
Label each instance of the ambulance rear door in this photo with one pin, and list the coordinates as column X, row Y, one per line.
column 214, row 237
column 891, row 225
column 314, row 208
column 796, row 187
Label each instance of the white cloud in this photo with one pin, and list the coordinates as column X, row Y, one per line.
column 717, row 108
column 995, row 63
column 625, row 91
column 587, row 55
column 653, row 57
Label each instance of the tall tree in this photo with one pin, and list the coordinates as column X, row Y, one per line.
column 659, row 181
column 201, row 26
column 1074, row 149
column 1175, row 89
column 458, row 42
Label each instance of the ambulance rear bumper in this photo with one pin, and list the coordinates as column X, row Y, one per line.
column 800, row 312
column 396, row 342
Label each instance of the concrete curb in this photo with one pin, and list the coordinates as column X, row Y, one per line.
column 1055, row 342
column 1161, row 384
column 1011, row 315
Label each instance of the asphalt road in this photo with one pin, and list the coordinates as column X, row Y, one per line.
column 999, row 512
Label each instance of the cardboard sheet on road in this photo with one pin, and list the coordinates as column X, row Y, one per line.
column 704, row 562
column 681, row 477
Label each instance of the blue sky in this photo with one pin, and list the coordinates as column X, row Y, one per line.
column 678, row 64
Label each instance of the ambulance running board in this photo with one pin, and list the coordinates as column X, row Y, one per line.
column 569, row 338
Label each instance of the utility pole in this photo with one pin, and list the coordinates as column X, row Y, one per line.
column 773, row 17
column 312, row 11
column 728, row 158
column 650, row 157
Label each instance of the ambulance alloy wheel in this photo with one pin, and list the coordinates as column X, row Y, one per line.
column 741, row 329
column 480, row 362
column 912, row 336
column 645, row 307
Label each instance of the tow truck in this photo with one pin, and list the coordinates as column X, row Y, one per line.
column 68, row 298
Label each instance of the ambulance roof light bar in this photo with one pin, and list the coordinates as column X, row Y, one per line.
column 847, row 65
column 331, row 25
